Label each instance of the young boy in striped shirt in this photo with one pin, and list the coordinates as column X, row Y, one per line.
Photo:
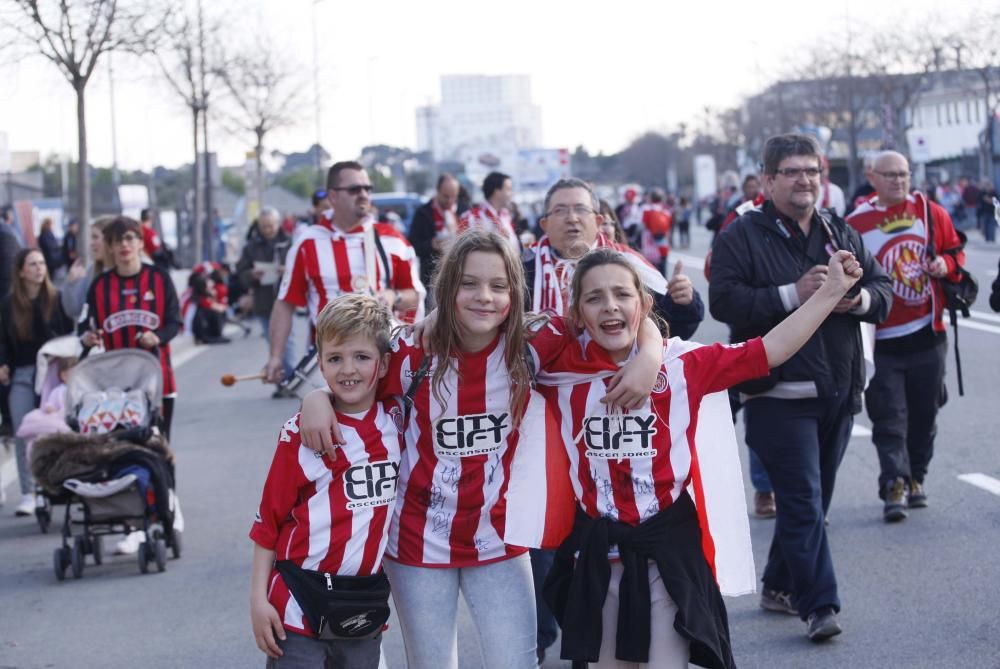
column 321, row 527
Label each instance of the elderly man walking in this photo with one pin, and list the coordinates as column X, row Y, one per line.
column 916, row 243
column 799, row 419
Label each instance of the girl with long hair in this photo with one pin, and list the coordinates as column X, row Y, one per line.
column 635, row 582
column 30, row 316
column 469, row 392
column 79, row 276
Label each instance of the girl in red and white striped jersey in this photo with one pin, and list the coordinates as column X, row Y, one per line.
column 447, row 534
column 631, row 471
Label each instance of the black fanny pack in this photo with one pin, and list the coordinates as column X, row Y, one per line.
column 339, row 607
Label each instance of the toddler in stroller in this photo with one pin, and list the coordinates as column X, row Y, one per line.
column 114, row 471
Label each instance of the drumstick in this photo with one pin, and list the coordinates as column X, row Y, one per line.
column 229, row 379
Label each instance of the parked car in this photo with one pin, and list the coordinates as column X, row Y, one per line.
column 402, row 205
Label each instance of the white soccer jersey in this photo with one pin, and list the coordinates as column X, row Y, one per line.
column 486, row 217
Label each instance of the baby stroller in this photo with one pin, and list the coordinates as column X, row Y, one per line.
column 114, row 471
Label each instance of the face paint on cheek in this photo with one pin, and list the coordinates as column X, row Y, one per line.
column 504, row 312
column 372, row 381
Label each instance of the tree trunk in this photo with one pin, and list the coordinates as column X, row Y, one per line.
column 259, row 185
column 209, row 207
column 82, row 173
column 196, row 205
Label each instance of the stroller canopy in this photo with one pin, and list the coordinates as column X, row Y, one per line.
column 127, row 369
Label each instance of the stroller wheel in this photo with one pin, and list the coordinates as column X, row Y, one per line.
column 160, row 554
column 77, row 557
column 59, row 563
column 44, row 518
column 175, row 544
column 145, row 555
column 97, row 548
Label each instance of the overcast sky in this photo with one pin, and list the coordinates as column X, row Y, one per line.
column 602, row 72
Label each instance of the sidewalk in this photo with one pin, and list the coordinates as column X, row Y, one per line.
column 8, row 466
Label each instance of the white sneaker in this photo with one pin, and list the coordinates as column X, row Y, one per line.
column 130, row 544
column 26, row 507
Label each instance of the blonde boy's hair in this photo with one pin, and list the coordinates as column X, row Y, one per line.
column 354, row 314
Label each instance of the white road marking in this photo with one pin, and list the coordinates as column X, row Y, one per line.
column 860, row 431
column 973, row 325
column 689, row 261
column 188, row 354
column 987, row 483
column 985, row 316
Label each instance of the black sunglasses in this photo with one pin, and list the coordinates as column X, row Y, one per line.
column 356, row 190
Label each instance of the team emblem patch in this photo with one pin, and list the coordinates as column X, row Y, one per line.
column 396, row 414
column 148, row 297
column 661, row 382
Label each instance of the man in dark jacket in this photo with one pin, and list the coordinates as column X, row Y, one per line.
column 798, row 420
column 433, row 225
column 268, row 245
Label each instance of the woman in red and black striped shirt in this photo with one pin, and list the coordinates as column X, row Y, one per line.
column 134, row 305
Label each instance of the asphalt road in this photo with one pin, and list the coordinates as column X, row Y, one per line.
column 923, row 593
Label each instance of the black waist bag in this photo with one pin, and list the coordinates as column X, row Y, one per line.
column 339, row 607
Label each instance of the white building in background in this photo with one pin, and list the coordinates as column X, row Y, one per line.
column 482, row 121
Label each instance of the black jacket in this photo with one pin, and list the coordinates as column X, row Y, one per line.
column 682, row 319
column 577, row 584
column 17, row 352
column 755, row 256
column 421, row 236
column 262, row 250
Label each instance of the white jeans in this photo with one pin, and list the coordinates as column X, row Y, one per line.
column 501, row 600
column 667, row 648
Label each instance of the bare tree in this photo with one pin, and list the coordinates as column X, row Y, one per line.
column 976, row 48
column 73, row 35
column 192, row 64
column 264, row 96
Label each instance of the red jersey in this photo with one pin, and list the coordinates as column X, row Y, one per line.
column 629, row 466
column 455, row 469
column 123, row 307
column 897, row 237
column 486, row 217
column 325, row 262
column 150, row 240
column 330, row 516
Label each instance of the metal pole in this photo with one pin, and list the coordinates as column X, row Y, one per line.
column 318, row 99
column 115, row 178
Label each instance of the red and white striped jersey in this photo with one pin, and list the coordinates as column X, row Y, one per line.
column 486, row 217
column 325, row 262
column 455, row 468
column 629, row 466
column 330, row 516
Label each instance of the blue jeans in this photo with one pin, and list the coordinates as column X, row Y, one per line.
column 22, row 400
column 801, row 443
column 288, row 357
column 501, row 602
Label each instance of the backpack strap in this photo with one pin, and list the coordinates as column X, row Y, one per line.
column 387, row 274
column 411, row 392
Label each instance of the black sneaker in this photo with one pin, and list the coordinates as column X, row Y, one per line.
column 822, row 624
column 777, row 601
column 918, row 498
column 894, row 495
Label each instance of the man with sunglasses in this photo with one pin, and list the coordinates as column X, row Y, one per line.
column 916, row 243
column 345, row 251
column 798, row 420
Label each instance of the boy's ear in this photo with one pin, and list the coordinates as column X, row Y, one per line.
column 383, row 366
